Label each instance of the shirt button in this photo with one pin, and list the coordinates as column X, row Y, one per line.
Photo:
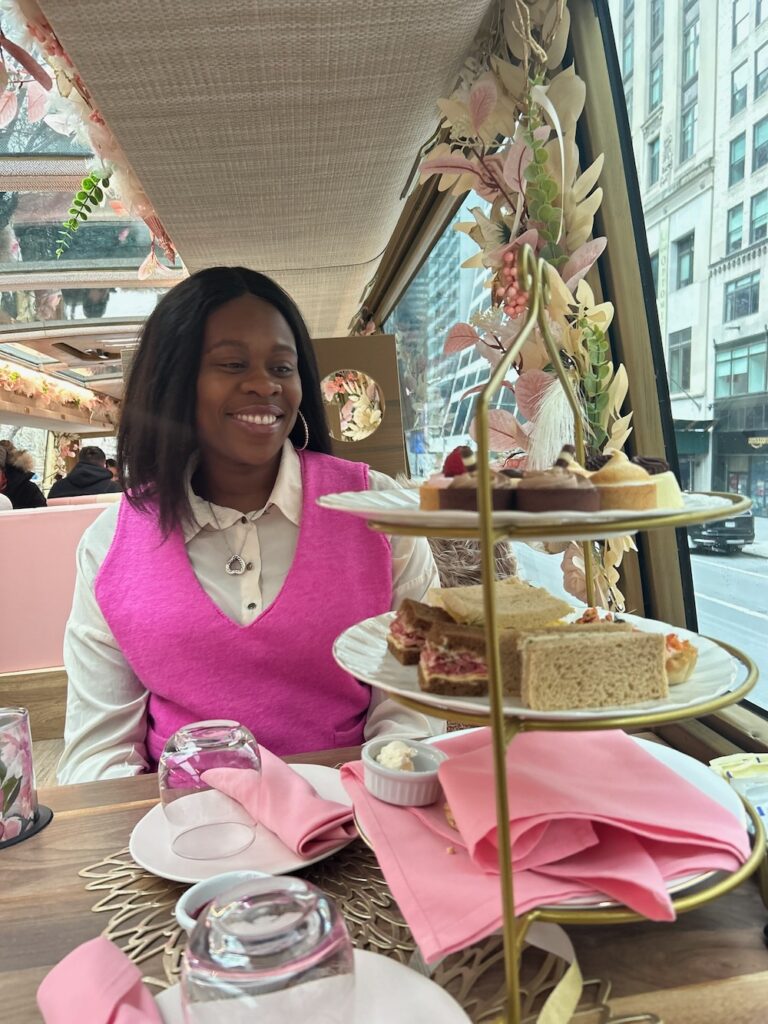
column 249, row 566
column 244, row 519
column 252, row 607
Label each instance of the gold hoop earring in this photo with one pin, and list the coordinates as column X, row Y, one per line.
column 306, row 432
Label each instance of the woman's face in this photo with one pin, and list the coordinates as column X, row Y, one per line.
column 248, row 388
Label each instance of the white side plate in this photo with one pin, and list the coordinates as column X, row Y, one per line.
column 150, row 846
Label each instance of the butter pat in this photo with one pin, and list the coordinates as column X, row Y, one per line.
column 397, row 756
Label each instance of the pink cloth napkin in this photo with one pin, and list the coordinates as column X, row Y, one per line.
column 96, row 984
column 589, row 813
column 286, row 804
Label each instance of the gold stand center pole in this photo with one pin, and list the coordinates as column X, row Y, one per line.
column 498, row 726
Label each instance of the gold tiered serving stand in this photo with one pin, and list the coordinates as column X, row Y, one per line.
column 504, row 725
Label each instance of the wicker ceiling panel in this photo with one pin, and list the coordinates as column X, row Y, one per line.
column 274, row 133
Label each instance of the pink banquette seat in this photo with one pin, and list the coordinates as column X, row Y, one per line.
column 37, row 579
column 86, row 499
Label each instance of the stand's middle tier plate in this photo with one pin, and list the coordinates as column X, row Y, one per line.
column 362, row 651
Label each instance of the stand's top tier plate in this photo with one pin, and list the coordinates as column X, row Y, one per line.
column 397, row 510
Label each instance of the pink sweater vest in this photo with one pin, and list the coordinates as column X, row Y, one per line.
column 277, row 676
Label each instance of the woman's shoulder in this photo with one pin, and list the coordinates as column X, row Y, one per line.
column 97, row 540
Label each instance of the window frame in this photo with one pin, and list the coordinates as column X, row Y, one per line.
column 684, row 251
column 679, row 347
column 758, row 91
column 753, row 236
column 735, row 25
column 731, row 290
column 742, row 138
column 729, row 247
column 744, row 66
column 762, row 148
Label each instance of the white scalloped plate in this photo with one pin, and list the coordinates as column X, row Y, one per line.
column 401, row 508
column 385, row 991
column 362, row 651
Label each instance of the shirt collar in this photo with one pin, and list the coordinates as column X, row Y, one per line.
column 286, row 496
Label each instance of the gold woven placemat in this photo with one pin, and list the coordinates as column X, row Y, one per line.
column 141, row 923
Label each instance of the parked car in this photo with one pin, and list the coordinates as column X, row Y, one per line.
column 726, row 535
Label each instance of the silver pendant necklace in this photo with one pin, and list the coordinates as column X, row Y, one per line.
column 235, row 564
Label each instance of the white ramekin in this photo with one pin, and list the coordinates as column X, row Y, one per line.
column 189, row 905
column 406, row 789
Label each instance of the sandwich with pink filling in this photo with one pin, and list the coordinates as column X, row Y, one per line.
column 410, row 627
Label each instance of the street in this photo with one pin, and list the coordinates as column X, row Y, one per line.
column 732, row 603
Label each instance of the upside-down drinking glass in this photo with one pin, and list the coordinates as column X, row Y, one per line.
column 281, row 953
column 204, row 823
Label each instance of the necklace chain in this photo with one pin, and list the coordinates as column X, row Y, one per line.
column 235, row 564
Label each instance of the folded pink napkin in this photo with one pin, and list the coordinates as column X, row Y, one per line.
column 96, row 984
column 286, row 804
column 590, row 813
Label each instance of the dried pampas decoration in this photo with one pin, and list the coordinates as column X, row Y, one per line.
column 552, row 427
column 458, row 561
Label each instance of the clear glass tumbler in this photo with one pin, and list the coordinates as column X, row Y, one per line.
column 281, row 953
column 18, row 795
column 205, row 824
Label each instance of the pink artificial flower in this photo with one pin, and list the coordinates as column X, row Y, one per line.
column 9, row 828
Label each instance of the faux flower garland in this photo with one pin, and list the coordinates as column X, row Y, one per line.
column 62, row 99
column 510, row 138
column 15, row 381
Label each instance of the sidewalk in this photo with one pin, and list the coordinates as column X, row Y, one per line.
column 760, row 547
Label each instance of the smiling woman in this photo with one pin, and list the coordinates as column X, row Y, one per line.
column 221, row 545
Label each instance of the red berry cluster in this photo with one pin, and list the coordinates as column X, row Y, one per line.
column 508, row 290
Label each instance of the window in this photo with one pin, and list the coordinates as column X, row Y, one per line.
column 760, row 145
column 736, row 159
column 741, row 370
column 735, row 229
column 655, row 271
column 655, row 84
column 680, row 360
column 740, row 22
column 628, row 40
column 684, row 261
column 758, row 216
column 437, row 407
column 653, row 161
column 761, row 11
column 761, row 70
column 742, row 296
column 688, row 133
column 628, row 101
column 657, row 20
column 691, row 42
column 739, row 89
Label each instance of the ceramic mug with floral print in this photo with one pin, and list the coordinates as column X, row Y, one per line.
column 18, row 796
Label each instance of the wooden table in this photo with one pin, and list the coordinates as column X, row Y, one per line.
column 710, row 967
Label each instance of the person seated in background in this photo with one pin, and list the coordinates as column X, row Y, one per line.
column 16, row 472
column 112, row 467
column 90, row 476
column 218, row 585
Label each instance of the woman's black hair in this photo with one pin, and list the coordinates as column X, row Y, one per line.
column 158, row 432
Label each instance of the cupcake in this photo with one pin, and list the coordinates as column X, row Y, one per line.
column 668, row 494
column 622, row 484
